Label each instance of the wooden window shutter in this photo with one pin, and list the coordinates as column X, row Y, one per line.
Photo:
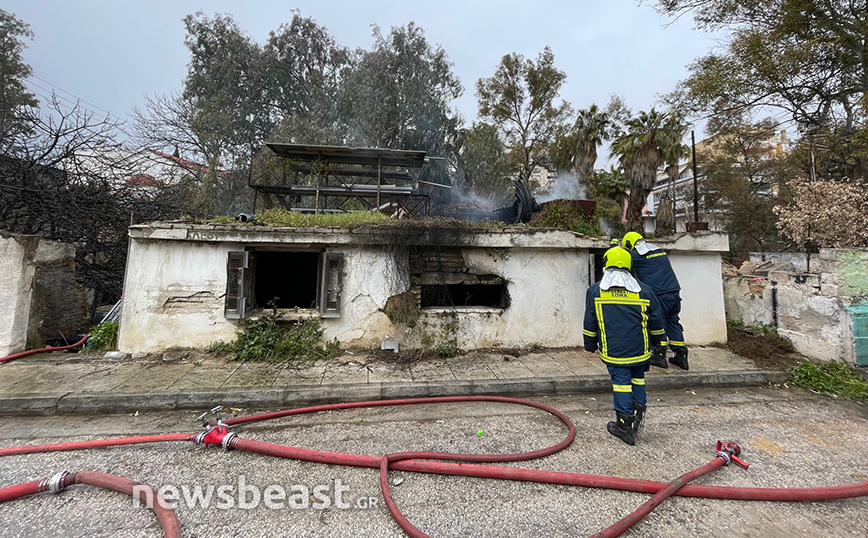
column 330, row 284
column 238, row 285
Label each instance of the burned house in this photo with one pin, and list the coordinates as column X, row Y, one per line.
column 421, row 283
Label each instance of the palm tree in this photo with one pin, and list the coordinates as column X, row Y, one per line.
column 639, row 150
column 576, row 147
column 673, row 150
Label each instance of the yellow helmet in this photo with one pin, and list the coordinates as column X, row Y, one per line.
column 630, row 238
column 616, row 257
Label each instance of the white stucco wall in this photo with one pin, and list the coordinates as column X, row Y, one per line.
column 173, row 296
column 176, row 280
column 702, row 311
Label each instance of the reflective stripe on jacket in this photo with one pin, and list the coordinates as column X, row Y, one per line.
column 622, row 324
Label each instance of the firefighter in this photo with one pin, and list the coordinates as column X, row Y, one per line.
column 622, row 320
column 651, row 265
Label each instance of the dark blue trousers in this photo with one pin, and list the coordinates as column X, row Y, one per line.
column 628, row 385
column 671, row 305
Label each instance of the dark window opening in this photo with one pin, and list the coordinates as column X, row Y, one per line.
column 596, row 264
column 290, row 276
column 494, row 295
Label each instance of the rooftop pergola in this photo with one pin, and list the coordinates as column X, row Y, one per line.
column 372, row 176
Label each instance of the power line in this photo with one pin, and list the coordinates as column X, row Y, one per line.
column 71, row 94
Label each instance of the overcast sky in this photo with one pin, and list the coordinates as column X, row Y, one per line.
column 111, row 53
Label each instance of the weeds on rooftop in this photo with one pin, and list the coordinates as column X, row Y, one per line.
column 834, row 378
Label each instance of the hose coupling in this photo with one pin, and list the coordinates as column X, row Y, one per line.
column 227, row 440
column 56, row 483
column 729, row 453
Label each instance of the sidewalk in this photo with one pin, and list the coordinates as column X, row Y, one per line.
column 66, row 383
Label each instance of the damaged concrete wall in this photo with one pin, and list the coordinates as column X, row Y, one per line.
column 38, row 290
column 824, row 313
column 177, row 273
column 173, row 296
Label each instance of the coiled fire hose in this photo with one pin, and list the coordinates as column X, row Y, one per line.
column 217, row 434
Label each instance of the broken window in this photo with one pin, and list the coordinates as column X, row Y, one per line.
column 492, row 294
column 297, row 280
column 445, row 281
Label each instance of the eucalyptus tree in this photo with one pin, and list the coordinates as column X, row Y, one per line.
column 399, row 94
column 482, row 167
column 301, row 69
column 225, row 83
column 520, row 100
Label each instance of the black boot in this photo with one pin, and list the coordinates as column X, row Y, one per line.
column 638, row 417
column 622, row 428
column 658, row 357
column 680, row 358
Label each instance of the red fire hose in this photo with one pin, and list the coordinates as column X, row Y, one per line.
column 97, row 443
column 59, row 482
column 43, row 350
column 469, row 464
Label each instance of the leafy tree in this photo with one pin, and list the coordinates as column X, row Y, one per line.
column 301, row 69
column 13, row 94
column 744, row 181
column 398, row 95
column 609, row 189
column 806, row 57
column 520, row 100
column 827, row 214
column 225, row 84
column 481, row 163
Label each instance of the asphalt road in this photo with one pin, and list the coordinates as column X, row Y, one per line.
column 791, row 438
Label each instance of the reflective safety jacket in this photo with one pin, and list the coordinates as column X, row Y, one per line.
column 654, row 269
column 622, row 324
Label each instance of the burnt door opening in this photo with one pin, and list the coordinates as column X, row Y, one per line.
column 493, row 295
column 291, row 276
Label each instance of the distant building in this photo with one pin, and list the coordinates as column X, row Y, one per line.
column 141, row 168
column 682, row 194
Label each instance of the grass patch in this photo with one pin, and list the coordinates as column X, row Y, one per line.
column 835, row 378
column 103, row 337
column 282, row 217
column 271, row 339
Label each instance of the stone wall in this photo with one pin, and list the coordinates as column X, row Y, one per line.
column 824, row 313
column 41, row 298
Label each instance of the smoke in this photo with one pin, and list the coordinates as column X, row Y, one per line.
column 564, row 186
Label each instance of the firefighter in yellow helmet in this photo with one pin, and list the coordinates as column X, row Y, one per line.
column 651, row 265
column 622, row 321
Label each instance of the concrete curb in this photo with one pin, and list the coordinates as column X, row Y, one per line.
column 91, row 403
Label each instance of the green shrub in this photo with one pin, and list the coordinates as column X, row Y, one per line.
column 834, row 378
column 272, row 339
column 103, row 337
